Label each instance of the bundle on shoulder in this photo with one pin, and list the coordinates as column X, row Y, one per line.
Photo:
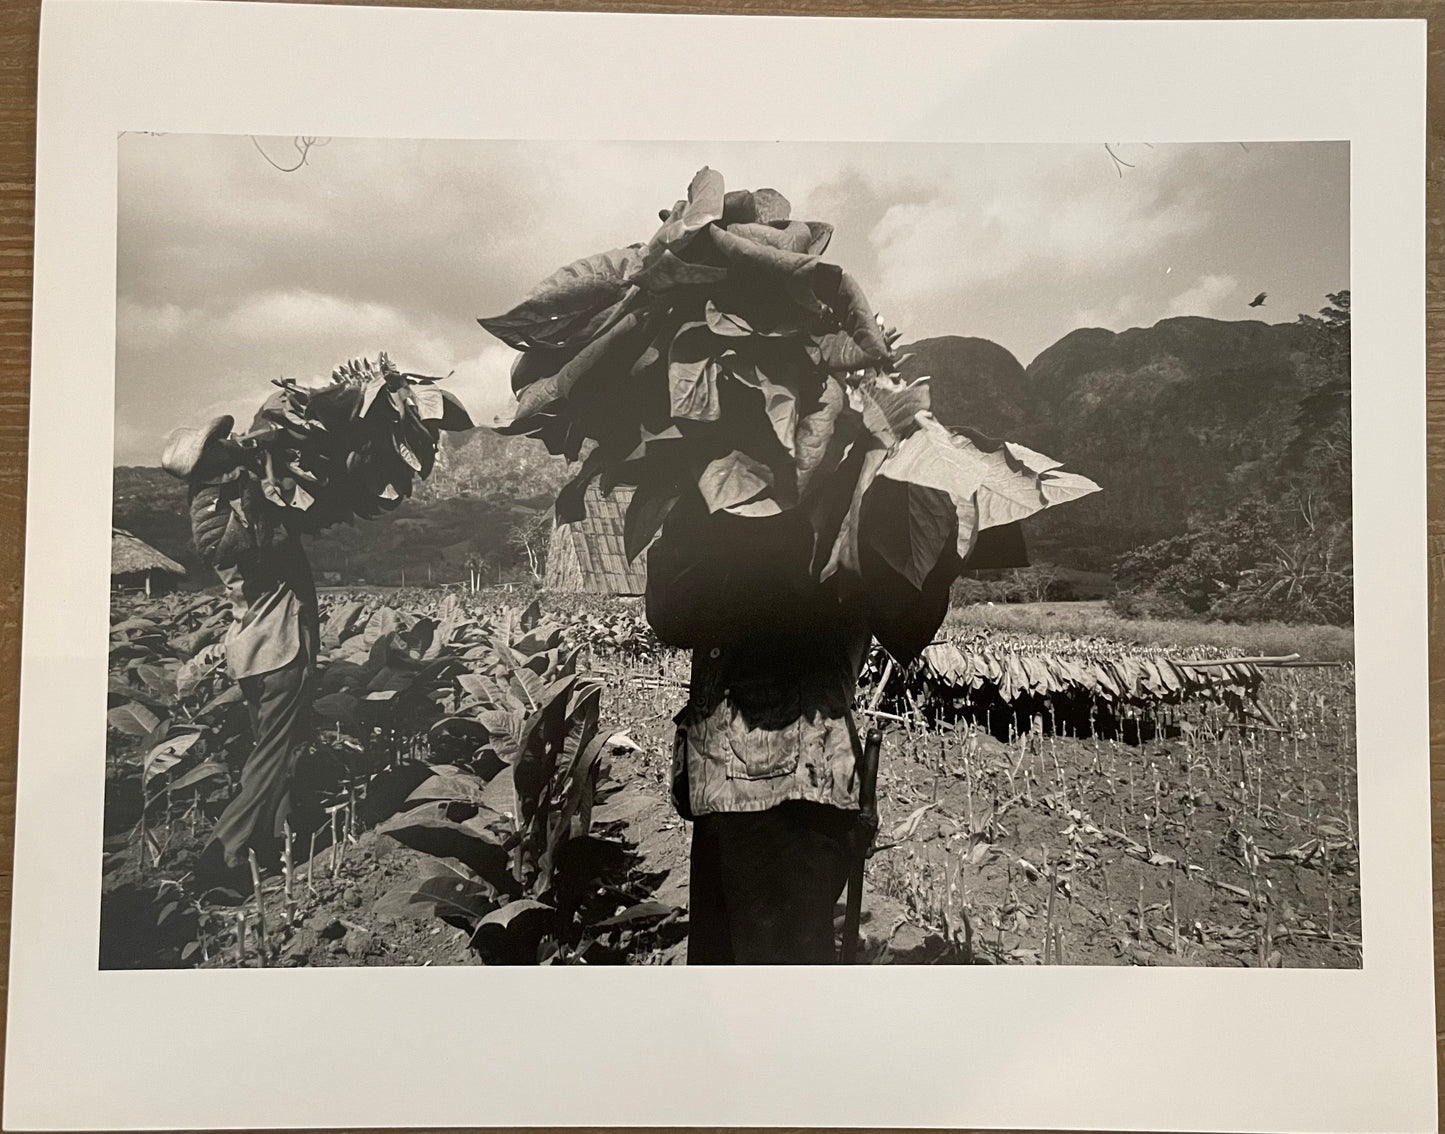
column 726, row 360
column 314, row 456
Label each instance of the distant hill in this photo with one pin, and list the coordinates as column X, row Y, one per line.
column 483, row 463
column 1177, row 421
column 151, row 504
column 975, row 382
column 1174, row 421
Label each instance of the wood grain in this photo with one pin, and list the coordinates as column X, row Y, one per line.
column 19, row 30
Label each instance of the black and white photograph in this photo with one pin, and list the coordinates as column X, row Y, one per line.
column 730, row 553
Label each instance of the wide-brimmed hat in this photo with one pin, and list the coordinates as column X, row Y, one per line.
column 185, row 445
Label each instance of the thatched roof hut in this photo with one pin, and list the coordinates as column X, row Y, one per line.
column 588, row 556
column 133, row 561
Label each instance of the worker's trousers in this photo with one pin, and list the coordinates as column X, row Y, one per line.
column 764, row 884
column 280, row 707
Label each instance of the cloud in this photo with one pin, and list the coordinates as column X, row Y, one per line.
column 319, row 331
column 297, row 312
column 1035, row 211
column 230, row 273
column 150, row 326
column 484, row 384
column 1205, row 297
column 1125, row 312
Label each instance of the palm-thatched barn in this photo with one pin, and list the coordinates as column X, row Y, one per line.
column 133, row 562
column 588, row 556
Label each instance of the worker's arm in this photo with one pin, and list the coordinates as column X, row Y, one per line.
column 905, row 618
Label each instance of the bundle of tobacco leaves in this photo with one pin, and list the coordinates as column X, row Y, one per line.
column 726, row 357
column 351, row 447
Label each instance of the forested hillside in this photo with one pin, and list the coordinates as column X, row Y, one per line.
column 1222, row 448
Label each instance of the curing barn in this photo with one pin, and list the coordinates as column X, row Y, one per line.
column 587, row 557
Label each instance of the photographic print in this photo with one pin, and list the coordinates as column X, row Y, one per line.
column 865, row 535
column 657, row 553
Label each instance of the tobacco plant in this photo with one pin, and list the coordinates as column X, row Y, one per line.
column 508, row 820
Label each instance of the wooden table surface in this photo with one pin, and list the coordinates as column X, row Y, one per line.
column 19, row 28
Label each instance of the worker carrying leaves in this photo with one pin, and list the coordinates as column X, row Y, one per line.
column 799, row 500
column 313, row 457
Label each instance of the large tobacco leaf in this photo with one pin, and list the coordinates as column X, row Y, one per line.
column 780, row 401
column 823, row 431
column 693, row 373
column 650, row 505
column 733, row 480
column 428, row 829
column 909, row 525
column 987, row 488
column 439, row 893
column 704, row 205
column 845, row 555
column 562, row 308
column 668, row 271
column 542, row 394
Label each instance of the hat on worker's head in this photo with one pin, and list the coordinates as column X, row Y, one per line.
column 185, row 445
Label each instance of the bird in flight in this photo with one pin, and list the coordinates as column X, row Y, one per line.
column 1258, row 300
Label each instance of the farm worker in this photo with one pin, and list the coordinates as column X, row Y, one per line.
column 766, row 746
column 270, row 646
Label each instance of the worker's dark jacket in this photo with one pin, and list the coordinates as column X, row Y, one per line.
column 775, row 662
column 776, row 656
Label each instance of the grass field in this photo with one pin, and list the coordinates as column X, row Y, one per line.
column 1097, row 620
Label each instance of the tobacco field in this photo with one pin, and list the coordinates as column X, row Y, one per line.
column 494, row 775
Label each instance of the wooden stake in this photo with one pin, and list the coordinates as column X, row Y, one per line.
column 1048, row 911
column 882, row 682
column 310, row 863
column 261, row 943
column 288, row 868
column 1329, row 892
column 286, row 858
column 1174, row 904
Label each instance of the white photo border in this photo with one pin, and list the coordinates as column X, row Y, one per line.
column 1006, row 1047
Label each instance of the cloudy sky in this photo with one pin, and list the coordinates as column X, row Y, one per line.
column 231, row 272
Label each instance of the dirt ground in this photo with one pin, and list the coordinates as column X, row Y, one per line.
column 1215, row 846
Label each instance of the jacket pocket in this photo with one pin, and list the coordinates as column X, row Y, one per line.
column 761, row 753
